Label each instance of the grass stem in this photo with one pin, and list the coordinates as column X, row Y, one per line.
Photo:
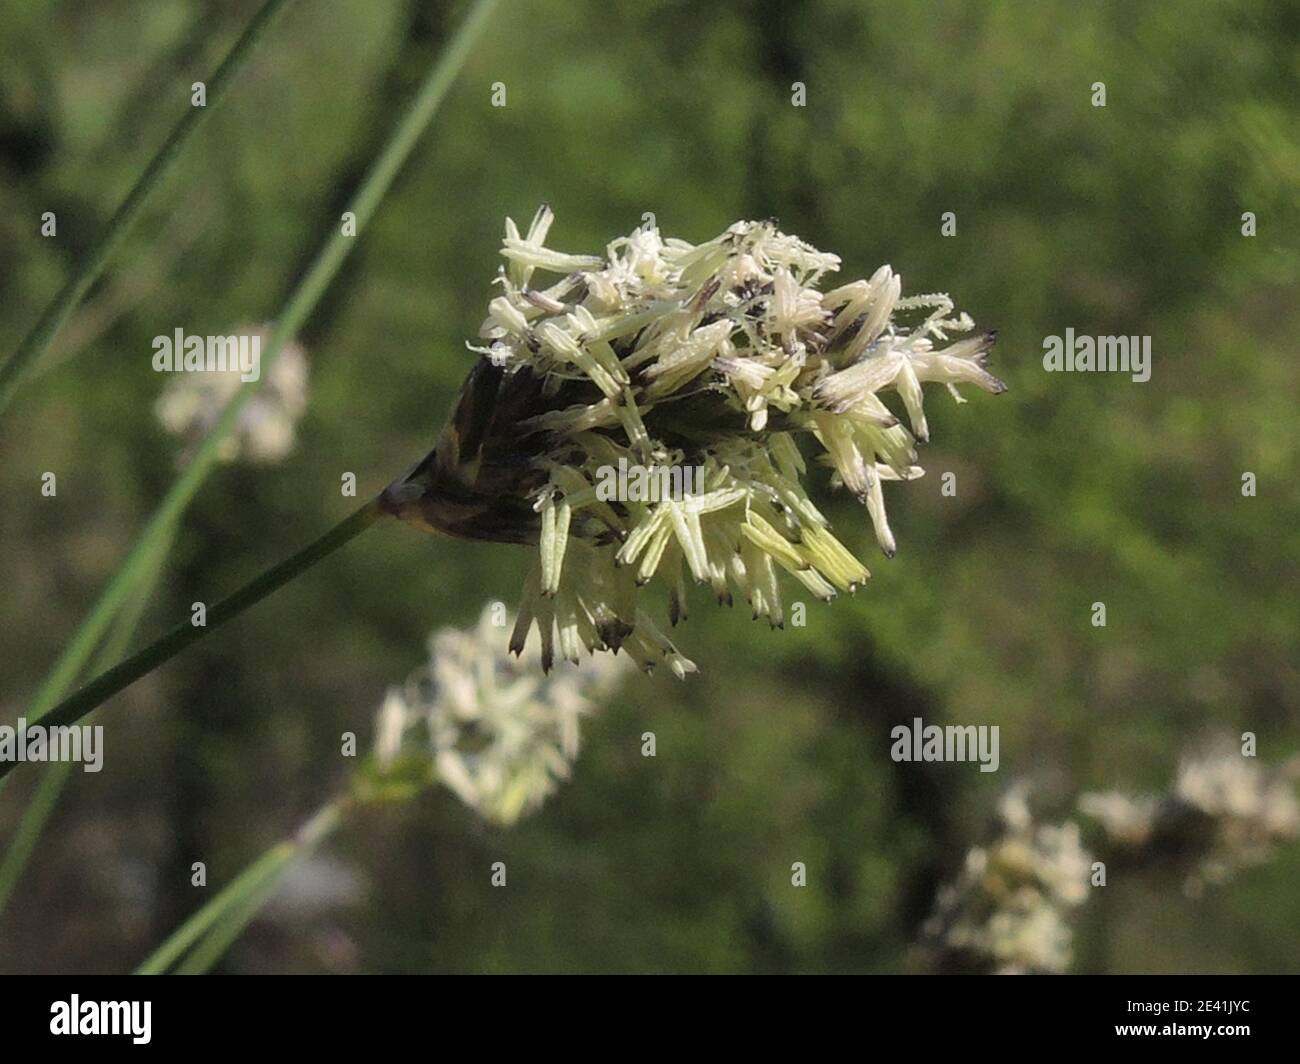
column 209, row 932
column 94, row 260
column 109, row 683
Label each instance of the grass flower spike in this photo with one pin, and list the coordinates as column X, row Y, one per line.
column 1009, row 911
column 647, row 417
column 1225, row 812
column 499, row 733
column 725, row 360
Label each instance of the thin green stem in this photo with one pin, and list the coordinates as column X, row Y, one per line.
column 152, row 547
column 109, row 683
column 301, row 302
column 212, row 946
column 93, row 262
column 270, row 864
column 28, row 832
column 41, row 808
column 209, row 932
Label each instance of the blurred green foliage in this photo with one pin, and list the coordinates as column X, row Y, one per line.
column 1072, row 489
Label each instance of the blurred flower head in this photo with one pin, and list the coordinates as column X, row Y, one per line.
column 1128, row 820
column 491, row 727
column 264, row 432
column 727, row 357
column 1224, row 812
column 1009, row 909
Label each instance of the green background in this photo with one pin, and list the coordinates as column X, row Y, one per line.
column 1072, row 488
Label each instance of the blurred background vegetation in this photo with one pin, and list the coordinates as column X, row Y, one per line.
column 1072, row 489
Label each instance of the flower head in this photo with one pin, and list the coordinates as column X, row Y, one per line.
column 1224, row 812
column 726, row 357
column 264, row 433
column 489, row 726
column 1009, row 910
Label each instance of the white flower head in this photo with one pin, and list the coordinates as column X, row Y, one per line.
column 1241, row 809
column 265, row 430
column 1009, row 909
column 491, row 727
column 1224, row 812
column 727, row 357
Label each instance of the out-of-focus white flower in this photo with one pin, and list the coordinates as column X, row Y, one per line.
column 493, row 728
column 1240, row 791
column 1224, row 812
column 1026, row 937
column 722, row 356
column 1008, row 911
column 1126, row 819
column 1251, row 808
column 265, row 430
column 391, row 724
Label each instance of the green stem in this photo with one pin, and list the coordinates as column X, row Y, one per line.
column 212, row 929
column 152, row 546
column 213, row 946
column 109, row 683
column 301, row 302
column 41, row 807
column 93, row 262
column 270, row 864
column 29, row 829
